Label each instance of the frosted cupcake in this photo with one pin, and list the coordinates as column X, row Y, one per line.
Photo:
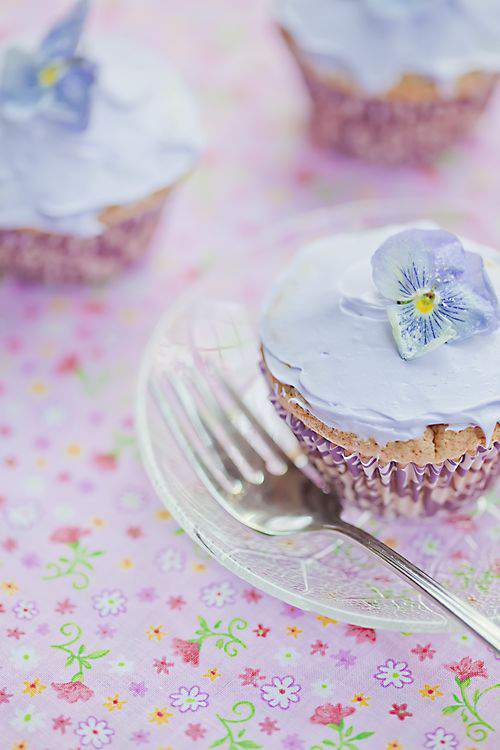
column 93, row 139
column 394, row 81
column 386, row 365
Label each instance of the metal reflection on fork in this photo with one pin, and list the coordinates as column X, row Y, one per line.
column 254, row 480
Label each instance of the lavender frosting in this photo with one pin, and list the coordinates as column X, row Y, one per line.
column 143, row 135
column 377, row 41
column 325, row 331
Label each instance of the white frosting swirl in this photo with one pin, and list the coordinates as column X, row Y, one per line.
column 443, row 39
column 143, row 135
column 325, row 332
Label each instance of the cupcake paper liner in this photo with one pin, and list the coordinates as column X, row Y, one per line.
column 39, row 256
column 394, row 489
column 388, row 131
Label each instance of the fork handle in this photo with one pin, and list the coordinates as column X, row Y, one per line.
column 477, row 623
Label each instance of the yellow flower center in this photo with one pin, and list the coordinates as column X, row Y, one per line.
column 49, row 75
column 426, row 302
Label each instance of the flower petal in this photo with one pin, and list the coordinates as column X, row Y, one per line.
column 62, row 39
column 73, row 94
column 417, row 334
column 19, row 84
column 406, row 261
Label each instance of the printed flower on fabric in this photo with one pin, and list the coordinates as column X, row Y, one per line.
column 436, row 291
column 94, row 733
column 28, row 719
column 188, row 650
column 218, row 594
column 24, row 610
column 467, row 668
column 394, row 674
column 281, row 692
column 121, row 665
column 54, row 80
column 440, row 739
column 72, row 692
column 109, row 602
column 286, row 655
column 24, row 658
column 330, row 714
column 323, row 687
column 170, row 559
column 189, row 699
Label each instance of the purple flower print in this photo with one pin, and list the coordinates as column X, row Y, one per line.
column 189, row 699
column 440, row 739
column 138, row 689
column 292, row 612
column 30, row 560
column 94, row 733
column 147, row 594
column 110, row 602
column 281, row 692
column 292, row 742
column 344, row 658
column 218, row 594
column 25, row 610
column 394, row 674
column 140, row 737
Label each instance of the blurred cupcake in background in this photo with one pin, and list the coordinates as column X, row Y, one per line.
column 94, row 136
column 394, row 81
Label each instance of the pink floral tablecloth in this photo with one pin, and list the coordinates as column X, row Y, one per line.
column 115, row 630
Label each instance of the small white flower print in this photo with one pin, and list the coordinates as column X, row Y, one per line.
column 170, row 559
column 218, row 594
column 439, row 739
column 110, row 602
column 189, row 699
column 24, row 659
column 132, row 500
column 281, row 691
column 286, row 655
column 28, row 719
column 323, row 687
column 94, row 732
column 22, row 516
column 25, row 610
column 394, row 674
column 120, row 665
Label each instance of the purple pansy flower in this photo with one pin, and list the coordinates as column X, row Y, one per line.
column 436, row 291
column 54, row 79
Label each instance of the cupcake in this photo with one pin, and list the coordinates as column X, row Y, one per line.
column 394, row 81
column 382, row 352
column 93, row 139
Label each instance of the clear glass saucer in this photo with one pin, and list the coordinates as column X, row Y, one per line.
column 217, row 319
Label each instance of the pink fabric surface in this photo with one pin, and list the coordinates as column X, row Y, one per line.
column 87, row 553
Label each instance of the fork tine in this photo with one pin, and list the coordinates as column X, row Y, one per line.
column 244, row 448
column 204, row 473
column 218, row 453
column 264, row 435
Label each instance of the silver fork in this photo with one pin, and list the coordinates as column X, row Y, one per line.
column 255, row 481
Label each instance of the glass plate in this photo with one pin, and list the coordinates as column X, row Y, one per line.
column 318, row 571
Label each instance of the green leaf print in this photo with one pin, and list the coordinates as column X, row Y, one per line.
column 72, row 567
column 72, row 631
column 243, row 711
